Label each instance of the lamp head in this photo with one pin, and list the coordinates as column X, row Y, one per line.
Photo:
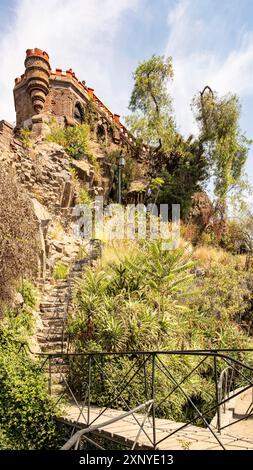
column 121, row 160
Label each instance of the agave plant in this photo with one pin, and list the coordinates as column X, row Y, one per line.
column 111, row 333
column 124, row 280
column 166, row 272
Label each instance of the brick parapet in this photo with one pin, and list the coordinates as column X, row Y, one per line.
column 6, row 133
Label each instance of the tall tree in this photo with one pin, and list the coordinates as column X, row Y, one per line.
column 152, row 119
column 178, row 162
column 226, row 148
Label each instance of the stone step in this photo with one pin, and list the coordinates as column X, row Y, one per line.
column 52, row 303
column 52, row 322
column 55, row 347
column 60, row 360
column 58, row 390
column 56, row 287
column 48, row 301
column 53, row 308
column 49, row 335
column 55, row 283
column 52, row 315
column 57, row 368
column 51, row 329
column 57, row 377
column 50, row 338
column 52, row 292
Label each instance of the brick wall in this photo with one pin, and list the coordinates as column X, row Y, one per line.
column 23, row 105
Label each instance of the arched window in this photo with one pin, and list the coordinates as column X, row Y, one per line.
column 79, row 113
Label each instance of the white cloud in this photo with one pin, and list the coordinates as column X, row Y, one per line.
column 196, row 65
column 81, row 34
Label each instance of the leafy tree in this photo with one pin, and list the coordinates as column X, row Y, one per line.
column 178, row 162
column 153, row 120
column 184, row 172
column 226, row 148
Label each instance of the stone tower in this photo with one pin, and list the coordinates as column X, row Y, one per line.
column 37, row 73
column 32, row 88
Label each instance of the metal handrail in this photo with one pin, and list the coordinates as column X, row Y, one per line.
column 66, row 309
column 185, row 352
column 94, row 427
column 224, row 385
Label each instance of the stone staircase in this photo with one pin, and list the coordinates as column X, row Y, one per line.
column 52, row 314
column 239, row 405
column 55, row 305
column 54, row 308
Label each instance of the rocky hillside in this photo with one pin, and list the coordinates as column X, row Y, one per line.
column 45, row 174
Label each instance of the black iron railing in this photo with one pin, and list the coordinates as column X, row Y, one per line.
column 109, row 380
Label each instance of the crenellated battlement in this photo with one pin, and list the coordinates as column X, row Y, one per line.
column 37, row 52
column 43, row 91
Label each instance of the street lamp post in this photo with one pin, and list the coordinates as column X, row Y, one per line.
column 121, row 164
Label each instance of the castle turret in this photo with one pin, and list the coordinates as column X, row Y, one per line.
column 32, row 88
column 37, row 73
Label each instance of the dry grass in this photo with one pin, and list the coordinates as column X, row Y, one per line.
column 207, row 255
column 117, row 251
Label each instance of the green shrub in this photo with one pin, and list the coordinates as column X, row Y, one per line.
column 110, row 374
column 29, row 293
column 61, row 271
column 26, row 411
column 25, row 137
column 17, row 324
column 75, row 140
column 84, row 197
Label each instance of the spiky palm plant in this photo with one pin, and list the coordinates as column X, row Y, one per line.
column 165, row 272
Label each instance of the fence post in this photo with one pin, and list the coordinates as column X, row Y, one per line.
column 153, row 398
column 49, row 376
column 217, row 392
column 89, row 386
column 145, row 377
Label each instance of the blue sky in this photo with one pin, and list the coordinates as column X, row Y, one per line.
column 210, row 41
